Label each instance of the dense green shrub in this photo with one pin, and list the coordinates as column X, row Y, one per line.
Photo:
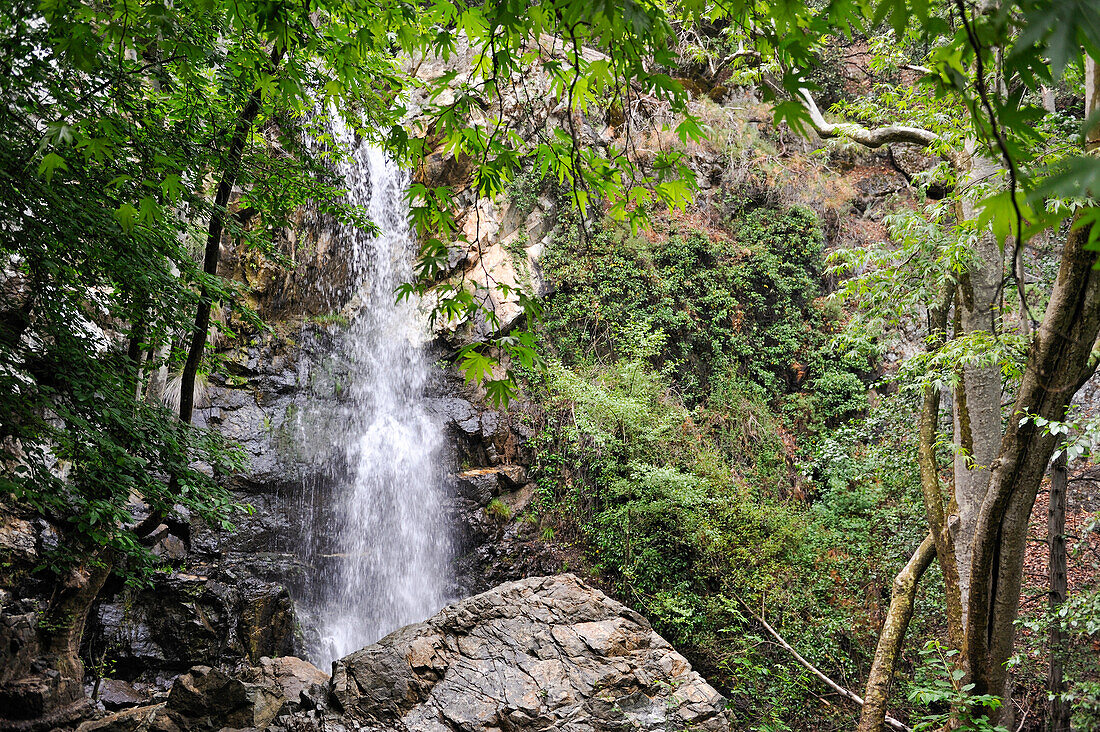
column 706, row 300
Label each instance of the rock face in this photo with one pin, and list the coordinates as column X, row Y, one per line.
column 540, row 653
column 547, row 653
column 207, row 699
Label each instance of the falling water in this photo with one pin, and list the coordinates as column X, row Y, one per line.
column 388, row 545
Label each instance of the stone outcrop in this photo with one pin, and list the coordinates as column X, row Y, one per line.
column 540, row 653
column 187, row 619
column 206, row 699
column 495, row 526
column 546, row 653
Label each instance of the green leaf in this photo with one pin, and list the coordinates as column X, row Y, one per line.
column 49, row 163
column 127, row 217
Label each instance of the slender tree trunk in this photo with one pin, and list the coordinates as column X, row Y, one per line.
column 977, row 403
column 1056, row 537
column 939, row 516
column 133, row 355
column 1059, row 362
column 1092, row 101
column 212, row 252
column 892, row 636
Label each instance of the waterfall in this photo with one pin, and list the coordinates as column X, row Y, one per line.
column 386, row 544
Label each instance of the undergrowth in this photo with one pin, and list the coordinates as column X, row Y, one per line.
column 697, row 437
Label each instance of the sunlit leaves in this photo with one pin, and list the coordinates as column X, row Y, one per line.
column 127, row 217
column 1004, row 214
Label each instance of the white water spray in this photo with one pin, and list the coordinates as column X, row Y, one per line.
column 390, row 544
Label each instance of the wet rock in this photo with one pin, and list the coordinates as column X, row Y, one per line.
column 187, row 619
column 117, row 694
column 206, row 699
column 43, row 699
column 541, row 653
column 481, row 485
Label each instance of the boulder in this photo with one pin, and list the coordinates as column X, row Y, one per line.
column 540, row 653
column 290, row 675
column 117, row 694
column 207, row 699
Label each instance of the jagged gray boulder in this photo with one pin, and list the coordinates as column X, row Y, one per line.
column 547, row 653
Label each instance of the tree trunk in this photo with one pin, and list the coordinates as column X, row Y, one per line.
column 1092, row 101
column 212, row 252
column 1058, row 364
column 1056, row 538
column 977, row 403
column 892, row 637
column 937, row 514
column 62, row 625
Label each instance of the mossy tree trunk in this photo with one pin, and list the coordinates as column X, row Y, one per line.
column 62, row 626
column 892, row 636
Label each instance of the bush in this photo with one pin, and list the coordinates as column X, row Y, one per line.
column 689, row 372
column 695, row 305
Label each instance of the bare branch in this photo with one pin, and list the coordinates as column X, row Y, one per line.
column 858, row 133
column 849, row 695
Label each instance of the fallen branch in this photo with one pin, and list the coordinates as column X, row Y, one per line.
column 850, row 696
column 857, row 133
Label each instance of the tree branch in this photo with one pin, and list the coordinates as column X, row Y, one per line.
column 850, row 696
column 858, row 133
column 902, row 598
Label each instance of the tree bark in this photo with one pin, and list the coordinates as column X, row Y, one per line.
column 977, row 403
column 62, row 625
column 1058, row 364
column 892, row 636
column 212, row 252
column 1056, row 538
column 857, row 133
column 937, row 514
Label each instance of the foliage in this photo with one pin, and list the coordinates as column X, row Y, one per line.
column 75, row 441
column 697, row 305
column 939, row 683
column 664, row 456
column 121, row 118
